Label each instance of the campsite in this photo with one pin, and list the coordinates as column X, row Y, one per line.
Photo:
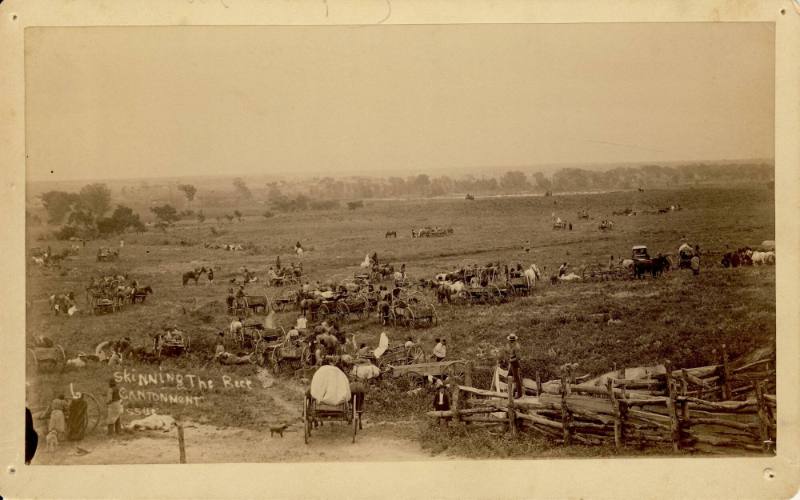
column 596, row 323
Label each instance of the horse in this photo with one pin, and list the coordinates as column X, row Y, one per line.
column 531, row 275
column 447, row 290
column 140, row 294
column 194, row 274
column 63, row 303
column 367, row 263
column 386, row 270
column 391, row 234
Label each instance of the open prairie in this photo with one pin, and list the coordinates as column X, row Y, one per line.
column 679, row 316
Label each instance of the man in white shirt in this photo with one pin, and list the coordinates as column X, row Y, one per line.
column 302, row 323
column 236, row 326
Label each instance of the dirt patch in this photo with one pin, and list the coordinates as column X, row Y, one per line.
column 210, row 444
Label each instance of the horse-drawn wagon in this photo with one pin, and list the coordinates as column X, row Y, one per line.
column 105, row 254
column 285, row 351
column 518, row 284
column 409, row 309
column 353, row 305
column 489, row 294
column 171, row 342
column 286, row 299
column 416, row 373
column 330, row 397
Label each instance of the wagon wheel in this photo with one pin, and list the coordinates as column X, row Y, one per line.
column 305, row 356
column 463, row 297
column 495, row 295
column 410, row 318
column 365, row 311
column 454, row 372
column 306, row 421
column 275, row 360
column 94, row 413
column 323, row 311
column 342, row 310
column 416, row 354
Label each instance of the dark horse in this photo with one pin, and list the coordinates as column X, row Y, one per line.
column 391, row 234
column 655, row 267
column 193, row 275
column 140, row 294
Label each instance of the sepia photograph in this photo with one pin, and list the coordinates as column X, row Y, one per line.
column 389, row 243
column 397, row 250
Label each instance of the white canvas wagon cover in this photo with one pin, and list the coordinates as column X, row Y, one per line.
column 330, row 386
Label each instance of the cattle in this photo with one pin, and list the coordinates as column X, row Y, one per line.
column 762, row 258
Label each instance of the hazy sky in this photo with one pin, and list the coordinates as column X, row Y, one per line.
column 140, row 102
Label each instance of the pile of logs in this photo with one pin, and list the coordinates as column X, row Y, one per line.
column 697, row 409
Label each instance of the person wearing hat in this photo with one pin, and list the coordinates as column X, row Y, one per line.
column 512, row 358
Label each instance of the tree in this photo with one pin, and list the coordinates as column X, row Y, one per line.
column 166, row 213
column 189, row 191
column 120, row 221
column 58, row 205
column 238, row 215
column 201, row 217
column 96, row 198
column 242, row 189
column 514, row 180
column 542, row 182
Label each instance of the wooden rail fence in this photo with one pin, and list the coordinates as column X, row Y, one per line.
column 696, row 409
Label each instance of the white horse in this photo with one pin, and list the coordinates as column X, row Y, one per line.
column 532, row 274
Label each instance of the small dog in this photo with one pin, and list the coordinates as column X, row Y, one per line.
column 277, row 429
column 52, row 440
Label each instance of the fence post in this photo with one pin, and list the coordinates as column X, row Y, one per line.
column 181, row 446
column 615, row 410
column 565, row 415
column 726, row 376
column 763, row 420
column 512, row 414
column 684, row 390
column 468, row 374
column 673, row 411
column 538, row 383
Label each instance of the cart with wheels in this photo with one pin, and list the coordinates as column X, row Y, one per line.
column 330, row 398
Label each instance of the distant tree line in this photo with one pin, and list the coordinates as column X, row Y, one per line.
column 84, row 213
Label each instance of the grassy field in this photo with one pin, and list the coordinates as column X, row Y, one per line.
column 680, row 317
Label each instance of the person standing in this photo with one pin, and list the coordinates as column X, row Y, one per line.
column 114, row 409
column 57, row 422
column 210, row 275
column 512, row 359
column 695, row 264
column 278, row 263
column 78, row 418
